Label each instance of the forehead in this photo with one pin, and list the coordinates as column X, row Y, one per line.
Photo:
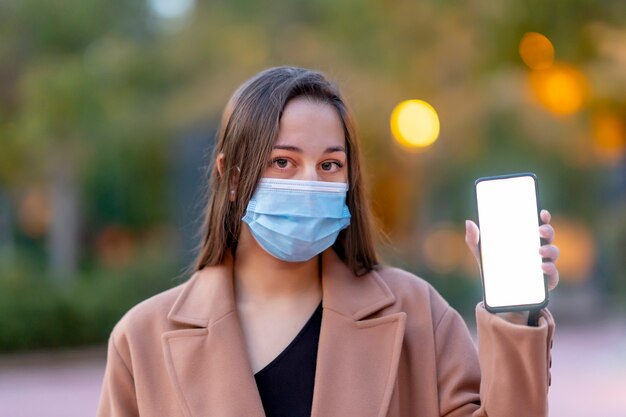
column 310, row 124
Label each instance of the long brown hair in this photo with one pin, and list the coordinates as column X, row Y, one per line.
column 248, row 131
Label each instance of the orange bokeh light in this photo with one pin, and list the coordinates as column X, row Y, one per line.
column 561, row 89
column 609, row 137
column 578, row 251
column 35, row 212
column 115, row 247
column 536, row 51
column 444, row 248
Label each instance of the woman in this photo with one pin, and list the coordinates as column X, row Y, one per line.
column 289, row 312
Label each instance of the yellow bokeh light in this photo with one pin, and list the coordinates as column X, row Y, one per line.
column 536, row 51
column 561, row 89
column 415, row 124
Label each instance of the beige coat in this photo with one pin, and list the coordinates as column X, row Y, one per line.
column 389, row 346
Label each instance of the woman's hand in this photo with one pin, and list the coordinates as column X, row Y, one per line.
column 548, row 251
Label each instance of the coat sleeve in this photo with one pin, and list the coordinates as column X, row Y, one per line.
column 510, row 377
column 515, row 365
column 118, row 398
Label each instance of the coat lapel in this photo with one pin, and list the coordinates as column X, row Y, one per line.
column 357, row 357
column 208, row 362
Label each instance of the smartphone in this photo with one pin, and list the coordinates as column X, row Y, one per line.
column 508, row 218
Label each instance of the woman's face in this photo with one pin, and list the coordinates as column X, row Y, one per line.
column 311, row 144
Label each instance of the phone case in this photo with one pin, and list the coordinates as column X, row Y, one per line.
column 517, row 307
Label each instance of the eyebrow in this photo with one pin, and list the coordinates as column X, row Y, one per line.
column 299, row 150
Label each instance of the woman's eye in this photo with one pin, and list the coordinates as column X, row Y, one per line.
column 281, row 163
column 330, row 165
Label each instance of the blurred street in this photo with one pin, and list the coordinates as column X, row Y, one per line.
column 588, row 377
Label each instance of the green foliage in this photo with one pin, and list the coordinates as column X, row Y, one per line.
column 34, row 314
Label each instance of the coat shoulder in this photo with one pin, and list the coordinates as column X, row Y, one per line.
column 149, row 314
column 412, row 291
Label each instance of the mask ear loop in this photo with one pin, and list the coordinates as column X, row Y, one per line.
column 234, row 184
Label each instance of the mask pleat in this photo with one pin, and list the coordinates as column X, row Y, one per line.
column 296, row 220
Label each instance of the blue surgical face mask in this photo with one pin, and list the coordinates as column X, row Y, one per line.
column 296, row 220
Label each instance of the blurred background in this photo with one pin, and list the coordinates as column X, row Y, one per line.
column 108, row 114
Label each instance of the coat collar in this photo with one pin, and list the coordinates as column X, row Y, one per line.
column 357, row 355
column 209, row 294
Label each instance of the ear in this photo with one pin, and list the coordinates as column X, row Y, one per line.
column 219, row 163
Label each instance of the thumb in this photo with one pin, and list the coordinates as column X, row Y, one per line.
column 472, row 235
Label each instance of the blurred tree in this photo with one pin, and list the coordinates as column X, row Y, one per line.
column 80, row 79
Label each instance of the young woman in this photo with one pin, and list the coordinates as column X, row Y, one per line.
column 290, row 313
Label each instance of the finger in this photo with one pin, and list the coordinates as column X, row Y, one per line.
column 546, row 231
column 550, row 252
column 552, row 273
column 472, row 235
column 545, row 216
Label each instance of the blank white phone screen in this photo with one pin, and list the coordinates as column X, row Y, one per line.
column 510, row 241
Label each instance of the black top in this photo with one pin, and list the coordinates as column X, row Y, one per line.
column 286, row 383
